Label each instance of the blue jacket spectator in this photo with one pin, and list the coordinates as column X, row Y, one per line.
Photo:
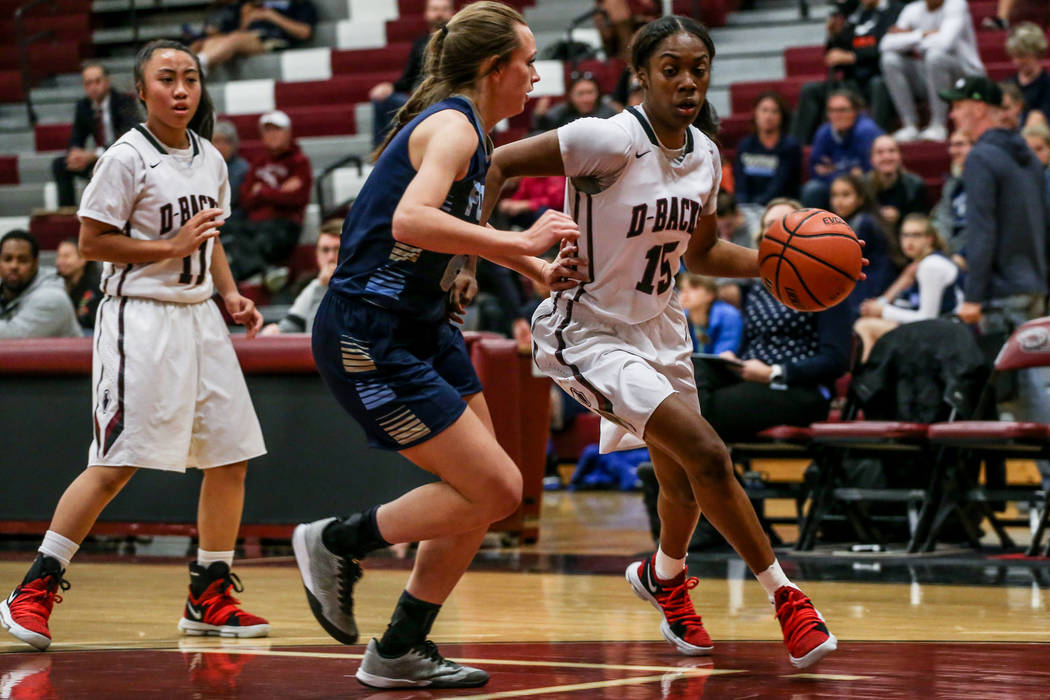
column 714, row 325
column 842, row 145
column 852, row 200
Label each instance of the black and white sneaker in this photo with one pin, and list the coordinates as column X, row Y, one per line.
column 422, row 666
column 328, row 579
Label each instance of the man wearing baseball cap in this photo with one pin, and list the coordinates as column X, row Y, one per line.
column 274, row 196
column 1006, row 230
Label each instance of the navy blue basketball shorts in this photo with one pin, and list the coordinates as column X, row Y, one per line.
column 402, row 379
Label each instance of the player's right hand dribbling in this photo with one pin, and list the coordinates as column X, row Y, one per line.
column 201, row 226
column 549, row 230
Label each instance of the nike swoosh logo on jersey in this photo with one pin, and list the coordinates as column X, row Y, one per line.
column 153, row 165
column 639, row 155
column 194, row 613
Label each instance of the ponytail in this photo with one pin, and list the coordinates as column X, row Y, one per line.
column 455, row 55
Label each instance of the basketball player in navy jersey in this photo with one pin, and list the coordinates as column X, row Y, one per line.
column 384, row 346
column 167, row 390
column 642, row 187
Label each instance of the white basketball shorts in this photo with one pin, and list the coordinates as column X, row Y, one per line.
column 167, row 390
column 621, row 372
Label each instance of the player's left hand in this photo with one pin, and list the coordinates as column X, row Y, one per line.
column 565, row 271
column 464, row 289
column 244, row 312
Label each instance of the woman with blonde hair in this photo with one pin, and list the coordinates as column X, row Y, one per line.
column 928, row 287
column 383, row 343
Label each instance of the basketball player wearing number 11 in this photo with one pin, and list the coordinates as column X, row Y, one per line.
column 642, row 188
column 167, row 391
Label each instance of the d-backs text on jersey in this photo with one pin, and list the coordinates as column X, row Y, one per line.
column 669, row 214
column 188, row 206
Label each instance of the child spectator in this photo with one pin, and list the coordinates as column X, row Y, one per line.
column 1026, row 47
column 714, row 325
column 82, row 279
column 583, row 98
column 927, row 288
column 949, row 214
column 851, row 199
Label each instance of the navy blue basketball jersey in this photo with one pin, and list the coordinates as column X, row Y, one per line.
column 373, row 266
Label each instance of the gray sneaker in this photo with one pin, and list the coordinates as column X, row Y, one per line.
column 328, row 579
column 421, row 666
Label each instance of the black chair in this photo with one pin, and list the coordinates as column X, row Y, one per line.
column 973, row 441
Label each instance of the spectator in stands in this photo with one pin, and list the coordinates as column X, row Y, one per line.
column 852, row 200
column 583, row 98
column 104, row 114
column 388, row 97
column 618, row 20
column 33, row 301
column 789, row 363
column 735, row 223
column 300, row 317
column 851, row 54
column 1006, row 232
column 274, row 196
column 1013, row 106
column 1037, row 136
column 531, row 197
column 225, row 138
column 714, row 325
column 842, row 145
column 768, row 161
column 1001, row 19
column 949, row 214
column 224, row 17
column 1006, row 226
column 898, row 191
column 1026, row 47
column 265, row 25
column 931, row 45
column 82, row 281
column 927, row 288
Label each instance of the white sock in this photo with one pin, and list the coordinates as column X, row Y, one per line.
column 773, row 578
column 59, row 547
column 667, row 567
column 204, row 557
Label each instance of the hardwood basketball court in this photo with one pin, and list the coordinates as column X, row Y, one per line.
column 557, row 619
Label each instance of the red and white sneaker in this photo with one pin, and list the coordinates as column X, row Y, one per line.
column 681, row 625
column 212, row 609
column 26, row 611
column 805, row 634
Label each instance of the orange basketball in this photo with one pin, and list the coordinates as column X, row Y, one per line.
column 810, row 259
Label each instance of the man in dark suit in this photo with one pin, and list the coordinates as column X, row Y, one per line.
column 104, row 114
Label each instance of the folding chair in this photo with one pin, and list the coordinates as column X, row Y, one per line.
column 888, row 440
column 974, row 441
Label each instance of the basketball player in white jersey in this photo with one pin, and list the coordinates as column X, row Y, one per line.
column 167, row 390
column 642, row 187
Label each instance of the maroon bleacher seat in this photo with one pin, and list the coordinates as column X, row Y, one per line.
column 864, row 430
column 742, row 95
column 569, row 443
column 52, row 229
column 8, row 170
column 340, row 89
column 371, row 60
column 10, row 86
column 314, row 120
column 52, row 137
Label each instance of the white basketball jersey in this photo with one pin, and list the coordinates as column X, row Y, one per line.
column 637, row 204
column 148, row 191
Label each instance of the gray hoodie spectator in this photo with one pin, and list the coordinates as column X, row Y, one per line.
column 33, row 302
column 1005, row 234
